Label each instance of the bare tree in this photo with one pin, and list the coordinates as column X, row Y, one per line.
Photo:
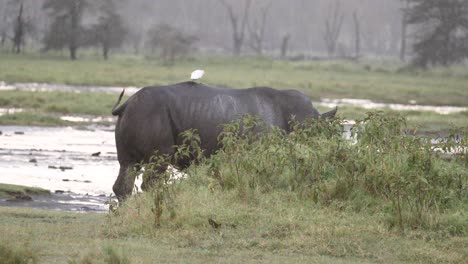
column 171, row 42
column 284, row 45
column 333, row 24
column 238, row 27
column 19, row 30
column 257, row 29
column 66, row 28
column 404, row 26
column 357, row 34
column 3, row 25
column 110, row 31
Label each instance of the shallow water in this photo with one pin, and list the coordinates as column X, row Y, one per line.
column 60, row 159
column 64, row 202
column 59, row 147
column 46, row 87
column 368, row 104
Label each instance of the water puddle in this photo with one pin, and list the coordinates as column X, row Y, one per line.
column 69, row 161
column 65, row 202
column 46, row 87
column 89, row 118
column 368, row 104
column 70, row 118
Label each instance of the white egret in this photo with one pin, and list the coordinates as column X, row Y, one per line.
column 197, row 75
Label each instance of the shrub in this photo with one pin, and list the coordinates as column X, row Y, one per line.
column 382, row 167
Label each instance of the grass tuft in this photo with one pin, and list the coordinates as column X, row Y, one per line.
column 17, row 255
column 7, row 190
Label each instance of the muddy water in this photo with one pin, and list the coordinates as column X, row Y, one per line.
column 62, row 161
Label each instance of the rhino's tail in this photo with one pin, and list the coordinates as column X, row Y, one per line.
column 118, row 110
column 329, row 114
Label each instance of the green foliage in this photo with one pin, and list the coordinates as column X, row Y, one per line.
column 159, row 182
column 403, row 169
column 381, row 168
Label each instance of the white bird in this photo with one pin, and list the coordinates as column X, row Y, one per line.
column 197, row 74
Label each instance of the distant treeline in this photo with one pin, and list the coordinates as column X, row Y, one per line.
column 429, row 32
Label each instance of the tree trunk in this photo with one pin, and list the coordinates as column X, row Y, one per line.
column 237, row 34
column 357, row 33
column 237, row 46
column 257, row 30
column 19, row 31
column 105, row 52
column 74, row 30
column 72, row 53
column 404, row 26
column 284, row 46
column 333, row 24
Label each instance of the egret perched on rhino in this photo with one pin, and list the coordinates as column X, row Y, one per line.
column 153, row 119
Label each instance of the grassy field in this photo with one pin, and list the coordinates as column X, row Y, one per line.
column 277, row 229
column 380, row 81
column 307, row 197
column 44, row 108
column 394, row 201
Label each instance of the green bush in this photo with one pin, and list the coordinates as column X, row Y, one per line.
column 382, row 169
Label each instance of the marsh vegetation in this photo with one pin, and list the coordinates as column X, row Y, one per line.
column 310, row 195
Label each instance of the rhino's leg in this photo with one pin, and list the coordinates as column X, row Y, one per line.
column 123, row 186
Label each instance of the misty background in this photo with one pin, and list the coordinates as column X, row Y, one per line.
column 304, row 21
column 296, row 29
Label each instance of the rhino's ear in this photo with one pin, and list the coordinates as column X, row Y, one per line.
column 329, row 114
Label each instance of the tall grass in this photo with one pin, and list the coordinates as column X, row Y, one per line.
column 383, row 170
column 108, row 255
column 17, row 255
